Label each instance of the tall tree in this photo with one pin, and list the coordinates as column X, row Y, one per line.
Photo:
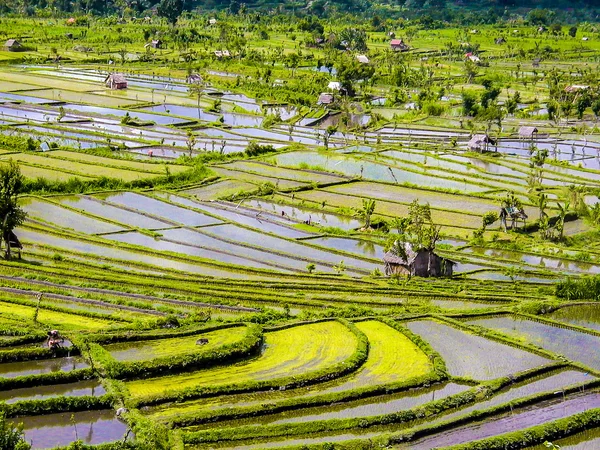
column 170, row 10
column 11, row 214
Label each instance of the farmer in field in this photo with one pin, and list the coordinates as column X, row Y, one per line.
column 54, row 340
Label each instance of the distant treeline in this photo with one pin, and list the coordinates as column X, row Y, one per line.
column 432, row 13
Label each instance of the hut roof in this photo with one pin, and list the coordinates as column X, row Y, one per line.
column 116, row 78
column 334, row 85
column 362, row 59
column 194, row 78
column 527, row 131
column 393, row 257
column 12, row 43
column 479, row 139
column 325, row 99
column 396, row 42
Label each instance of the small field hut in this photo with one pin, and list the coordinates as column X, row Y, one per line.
column 12, row 45
column 398, row 45
column 421, row 263
column 115, row 81
column 325, row 99
column 479, row 143
column 528, row 132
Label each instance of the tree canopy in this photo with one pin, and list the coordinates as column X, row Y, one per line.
column 11, row 214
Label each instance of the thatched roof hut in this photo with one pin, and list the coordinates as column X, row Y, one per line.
column 479, row 143
column 325, row 99
column 116, row 81
column 12, row 45
column 528, row 132
column 422, row 263
column 398, row 45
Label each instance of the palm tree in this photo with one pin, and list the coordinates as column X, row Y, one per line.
column 562, row 214
column 365, row 213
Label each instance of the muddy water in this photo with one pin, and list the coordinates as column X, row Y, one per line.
column 92, row 427
column 88, row 387
column 38, row 367
column 529, row 416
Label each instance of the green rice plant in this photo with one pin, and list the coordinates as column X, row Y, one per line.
column 315, row 351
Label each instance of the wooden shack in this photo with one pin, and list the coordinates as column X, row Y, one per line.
column 420, row 263
column 12, row 45
column 398, row 45
column 528, row 132
column 194, row 78
column 115, row 81
column 479, row 143
column 325, row 99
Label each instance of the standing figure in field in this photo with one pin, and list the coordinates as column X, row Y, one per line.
column 512, row 208
column 54, row 340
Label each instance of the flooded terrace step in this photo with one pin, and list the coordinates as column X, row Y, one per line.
column 126, row 294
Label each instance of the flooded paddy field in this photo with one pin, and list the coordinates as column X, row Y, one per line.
column 222, row 264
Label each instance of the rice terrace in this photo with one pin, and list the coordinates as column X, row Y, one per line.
column 302, row 225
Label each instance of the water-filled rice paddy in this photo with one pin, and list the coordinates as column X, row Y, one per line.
column 587, row 316
column 468, row 355
column 160, row 348
column 65, row 218
column 158, row 209
column 526, row 417
column 221, row 189
column 60, row 429
column 586, row 440
column 573, row 344
column 230, row 239
column 296, row 350
column 38, row 367
column 80, row 388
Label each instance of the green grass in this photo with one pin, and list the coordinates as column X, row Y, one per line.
column 295, row 350
column 124, row 164
column 145, row 350
column 80, row 169
column 48, row 318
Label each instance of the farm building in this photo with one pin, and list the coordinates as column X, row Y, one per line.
column 155, row 43
column 334, row 85
column 12, row 45
column 500, row 41
column 325, row 99
column 115, row 81
column 479, row 143
column 528, row 132
column 398, row 45
column 193, row 78
column 362, row 59
column 13, row 242
column 536, row 62
column 420, row 263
